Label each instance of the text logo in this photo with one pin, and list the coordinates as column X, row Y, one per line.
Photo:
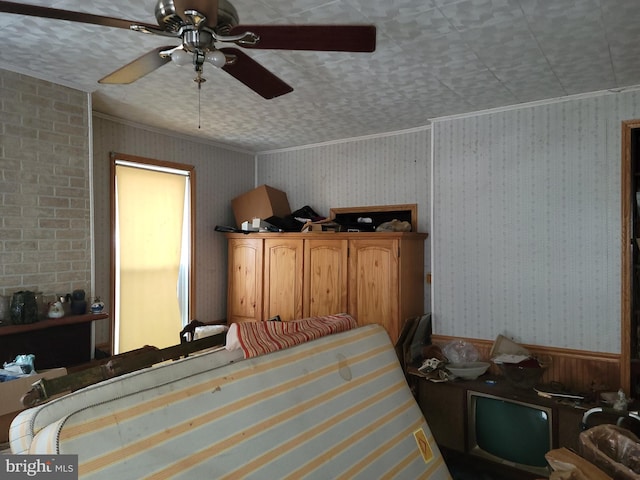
column 50, row 467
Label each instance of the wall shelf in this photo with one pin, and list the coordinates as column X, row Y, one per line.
column 52, row 322
column 55, row 342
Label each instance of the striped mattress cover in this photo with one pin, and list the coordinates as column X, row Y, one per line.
column 336, row 407
column 31, row 421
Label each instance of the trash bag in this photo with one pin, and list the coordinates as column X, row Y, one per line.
column 615, row 450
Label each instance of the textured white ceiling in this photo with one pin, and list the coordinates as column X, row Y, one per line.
column 433, row 58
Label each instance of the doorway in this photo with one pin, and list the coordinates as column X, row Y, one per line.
column 152, row 251
column 630, row 215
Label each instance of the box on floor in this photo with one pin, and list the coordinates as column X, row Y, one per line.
column 11, row 393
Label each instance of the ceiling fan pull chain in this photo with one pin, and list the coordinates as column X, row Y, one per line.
column 198, row 60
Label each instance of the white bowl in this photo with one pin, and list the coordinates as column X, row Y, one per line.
column 469, row 370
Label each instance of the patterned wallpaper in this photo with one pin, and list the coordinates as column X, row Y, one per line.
column 382, row 170
column 525, row 229
column 526, row 226
column 221, row 174
column 391, row 169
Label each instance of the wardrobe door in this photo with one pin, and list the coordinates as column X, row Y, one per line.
column 325, row 277
column 283, row 264
column 244, row 292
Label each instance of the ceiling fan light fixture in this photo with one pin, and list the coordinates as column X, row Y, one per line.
column 216, row 58
column 181, row 57
column 199, row 25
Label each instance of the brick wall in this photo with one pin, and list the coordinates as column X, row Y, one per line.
column 45, row 233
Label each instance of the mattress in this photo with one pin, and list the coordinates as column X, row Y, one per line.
column 335, row 407
column 29, row 422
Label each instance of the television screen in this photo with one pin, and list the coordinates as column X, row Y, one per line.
column 510, row 432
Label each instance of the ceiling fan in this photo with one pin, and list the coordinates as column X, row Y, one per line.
column 199, row 25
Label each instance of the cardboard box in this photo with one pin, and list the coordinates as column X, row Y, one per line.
column 11, row 393
column 263, row 202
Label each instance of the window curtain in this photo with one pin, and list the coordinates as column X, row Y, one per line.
column 150, row 208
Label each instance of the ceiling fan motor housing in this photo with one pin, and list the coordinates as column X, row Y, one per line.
column 197, row 40
column 171, row 20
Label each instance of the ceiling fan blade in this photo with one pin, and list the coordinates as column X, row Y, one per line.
column 139, row 67
column 254, row 75
column 334, row 38
column 55, row 13
column 208, row 8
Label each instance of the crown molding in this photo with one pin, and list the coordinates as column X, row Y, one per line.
column 171, row 133
column 538, row 103
column 348, row 140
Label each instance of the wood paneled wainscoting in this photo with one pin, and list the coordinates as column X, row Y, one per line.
column 575, row 369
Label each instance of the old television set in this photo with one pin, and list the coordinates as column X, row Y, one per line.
column 510, row 432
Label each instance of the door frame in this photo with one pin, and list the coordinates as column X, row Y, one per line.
column 626, row 254
column 112, row 244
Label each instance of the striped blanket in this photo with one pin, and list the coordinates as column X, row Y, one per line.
column 259, row 338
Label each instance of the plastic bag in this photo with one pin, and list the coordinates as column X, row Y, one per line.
column 459, row 351
column 22, row 364
column 613, row 449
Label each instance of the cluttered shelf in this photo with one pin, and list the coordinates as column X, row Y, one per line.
column 52, row 322
column 56, row 342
